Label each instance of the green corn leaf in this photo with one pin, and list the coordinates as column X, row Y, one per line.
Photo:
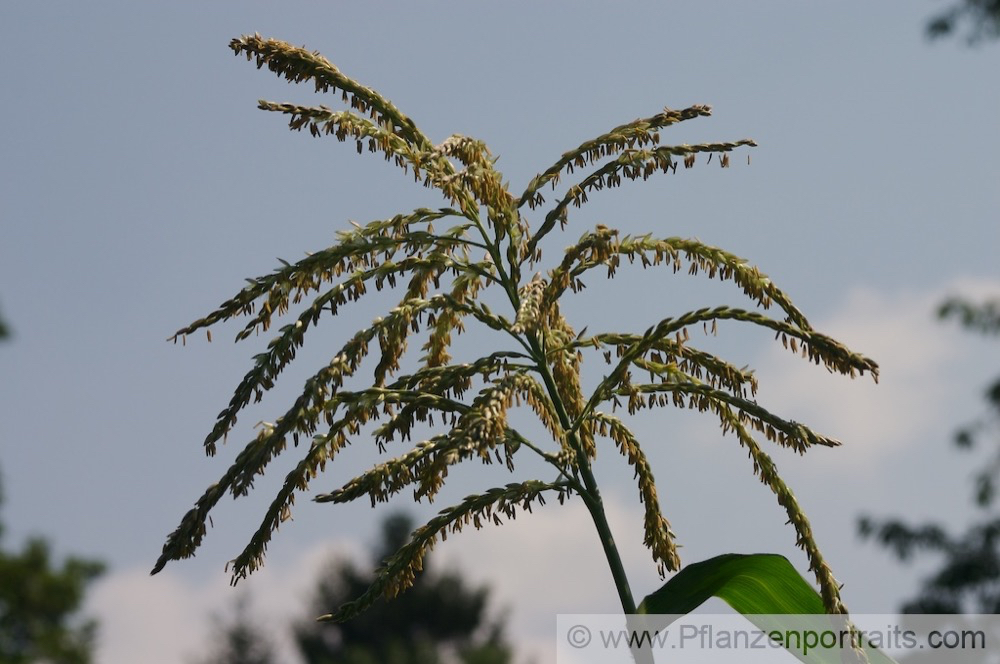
column 764, row 587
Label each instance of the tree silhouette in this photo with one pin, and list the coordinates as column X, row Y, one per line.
column 437, row 618
column 243, row 641
column 982, row 18
column 38, row 606
column 969, row 577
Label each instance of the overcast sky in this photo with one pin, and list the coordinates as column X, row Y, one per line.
column 139, row 186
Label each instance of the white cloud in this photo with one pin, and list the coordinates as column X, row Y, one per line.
column 168, row 618
column 921, row 361
column 147, row 619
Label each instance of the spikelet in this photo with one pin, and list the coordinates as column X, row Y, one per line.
column 529, row 313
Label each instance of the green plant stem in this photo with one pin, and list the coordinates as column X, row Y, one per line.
column 592, row 496
column 596, row 506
